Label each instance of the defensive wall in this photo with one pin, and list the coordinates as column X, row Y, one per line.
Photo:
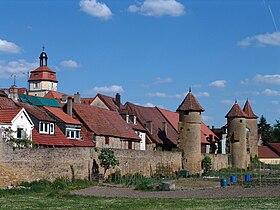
column 49, row 163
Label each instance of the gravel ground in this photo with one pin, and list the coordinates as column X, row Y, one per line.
column 218, row 192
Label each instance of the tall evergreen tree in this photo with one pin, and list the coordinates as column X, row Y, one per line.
column 276, row 131
column 265, row 130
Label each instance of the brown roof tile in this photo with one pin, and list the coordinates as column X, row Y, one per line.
column 110, row 102
column 248, row 111
column 104, row 122
column 37, row 112
column 146, row 114
column 42, row 73
column 190, row 104
column 236, row 111
column 266, row 152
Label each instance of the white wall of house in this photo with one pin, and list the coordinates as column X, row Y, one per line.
column 22, row 121
column 273, row 161
column 142, row 136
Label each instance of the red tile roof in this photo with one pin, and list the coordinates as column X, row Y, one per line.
column 110, row 102
column 145, row 114
column 59, row 139
column 266, row 152
column 276, row 146
column 87, row 101
column 37, row 112
column 7, row 103
column 20, row 90
column 236, row 111
column 54, row 94
column 43, row 73
column 190, row 104
column 62, row 115
column 7, row 115
column 248, row 111
column 104, row 122
column 173, row 118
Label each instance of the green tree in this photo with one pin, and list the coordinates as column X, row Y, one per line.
column 8, row 136
column 207, row 164
column 265, row 130
column 276, row 131
column 107, row 159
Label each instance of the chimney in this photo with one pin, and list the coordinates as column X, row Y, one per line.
column 77, row 98
column 64, row 98
column 69, row 106
column 13, row 93
column 149, row 126
column 118, row 100
column 134, row 120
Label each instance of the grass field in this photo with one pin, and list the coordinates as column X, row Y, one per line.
column 44, row 200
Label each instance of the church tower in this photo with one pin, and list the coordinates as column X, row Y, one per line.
column 236, row 139
column 252, row 131
column 42, row 79
column 190, row 134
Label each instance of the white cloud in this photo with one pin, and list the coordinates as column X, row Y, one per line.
column 206, row 118
column 201, row 94
column 159, row 80
column 269, row 92
column 158, row 8
column 228, row 102
column 149, row 104
column 218, row 83
column 96, row 9
column 158, row 94
column 8, row 47
column 261, row 40
column 275, row 102
column 69, row 64
column 269, row 79
column 19, row 68
column 105, row 89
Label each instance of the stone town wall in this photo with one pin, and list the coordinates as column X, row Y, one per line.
column 219, row 161
column 49, row 163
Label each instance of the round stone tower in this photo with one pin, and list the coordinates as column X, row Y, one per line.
column 252, row 131
column 236, row 125
column 190, row 134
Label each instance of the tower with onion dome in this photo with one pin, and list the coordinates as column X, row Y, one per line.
column 42, row 79
column 190, row 134
column 236, row 138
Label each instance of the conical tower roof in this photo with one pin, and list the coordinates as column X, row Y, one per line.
column 190, row 104
column 248, row 111
column 236, row 111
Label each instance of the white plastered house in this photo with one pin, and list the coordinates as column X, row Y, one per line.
column 18, row 121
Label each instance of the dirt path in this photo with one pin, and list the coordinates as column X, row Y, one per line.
column 227, row 192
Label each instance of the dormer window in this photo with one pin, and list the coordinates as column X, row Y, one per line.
column 46, row 128
column 73, row 133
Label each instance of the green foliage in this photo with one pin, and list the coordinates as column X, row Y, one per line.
column 107, row 159
column 269, row 133
column 207, row 164
column 23, row 142
column 264, row 129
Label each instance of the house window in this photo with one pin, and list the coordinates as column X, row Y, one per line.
column 73, row 133
column 46, row 128
column 19, row 133
column 130, row 145
column 36, row 75
column 106, row 139
column 36, row 85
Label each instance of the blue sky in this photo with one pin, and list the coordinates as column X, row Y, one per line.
column 151, row 51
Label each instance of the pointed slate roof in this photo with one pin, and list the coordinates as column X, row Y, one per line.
column 248, row 110
column 190, row 104
column 236, row 111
